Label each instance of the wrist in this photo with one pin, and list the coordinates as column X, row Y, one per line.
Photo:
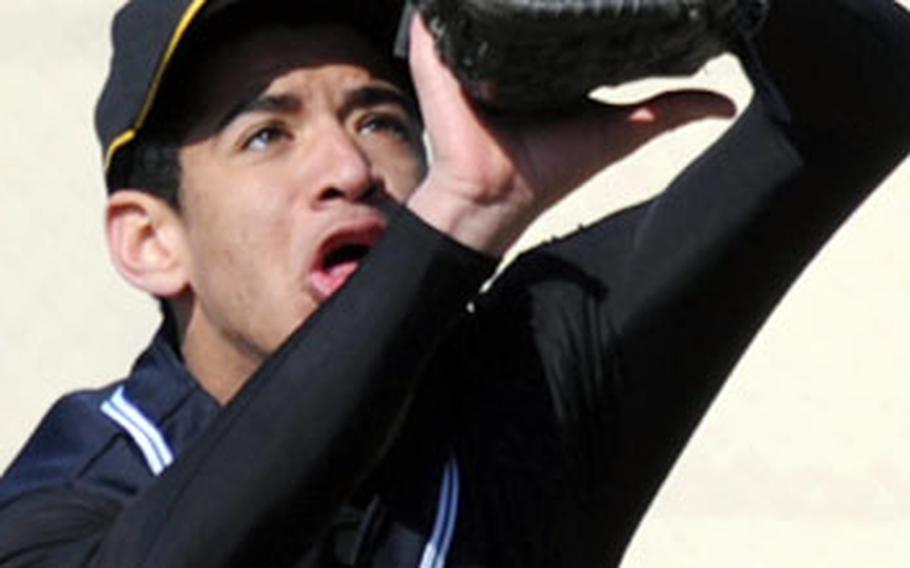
column 478, row 221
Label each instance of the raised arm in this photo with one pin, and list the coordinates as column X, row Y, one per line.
column 709, row 259
column 273, row 469
column 629, row 328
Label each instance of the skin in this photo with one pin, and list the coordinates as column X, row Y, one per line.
column 265, row 194
column 289, row 158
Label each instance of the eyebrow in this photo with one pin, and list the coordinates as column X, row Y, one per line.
column 366, row 96
column 261, row 103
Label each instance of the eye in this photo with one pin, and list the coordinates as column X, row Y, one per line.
column 265, row 137
column 386, row 124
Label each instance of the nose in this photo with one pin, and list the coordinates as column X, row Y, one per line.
column 343, row 169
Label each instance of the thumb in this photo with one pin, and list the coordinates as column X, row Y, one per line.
column 626, row 128
column 570, row 148
column 673, row 109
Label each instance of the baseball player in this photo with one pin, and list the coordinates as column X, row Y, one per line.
column 329, row 386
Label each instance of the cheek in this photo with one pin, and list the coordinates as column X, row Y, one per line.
column 237, row 233
column 245, row 273
column 410, row 177
column 402, row 167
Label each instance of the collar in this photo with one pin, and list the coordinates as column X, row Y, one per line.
column 168, row 394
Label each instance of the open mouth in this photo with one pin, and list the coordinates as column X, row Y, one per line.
column 340, row 257
column 345, row 254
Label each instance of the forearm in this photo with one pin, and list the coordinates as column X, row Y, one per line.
column 310, row 425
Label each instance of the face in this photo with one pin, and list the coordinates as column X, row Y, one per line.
column 304, row 145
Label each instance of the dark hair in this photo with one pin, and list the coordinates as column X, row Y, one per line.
column 150, row 164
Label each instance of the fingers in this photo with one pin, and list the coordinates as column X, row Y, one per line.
column 563, row 150
column 676, row 108
column 625, row 128
column 442, row 100
column 429, row 72
column 465, row 147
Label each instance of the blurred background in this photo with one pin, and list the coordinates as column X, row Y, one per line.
column 804, row 459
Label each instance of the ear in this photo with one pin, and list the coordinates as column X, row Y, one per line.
column 146, row 239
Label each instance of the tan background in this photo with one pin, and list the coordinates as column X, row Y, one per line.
column 804, row 460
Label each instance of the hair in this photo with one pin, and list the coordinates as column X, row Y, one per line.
column 150, row 164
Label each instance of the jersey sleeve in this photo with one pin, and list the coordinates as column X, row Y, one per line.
column 62, row 527
column 628, row 329
column 709, row 259
column 261, row 485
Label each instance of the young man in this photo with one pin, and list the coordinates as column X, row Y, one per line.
column 307, row 404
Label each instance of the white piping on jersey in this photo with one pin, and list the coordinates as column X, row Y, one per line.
column 158, row 456
column 143, row 431
column 434, row 555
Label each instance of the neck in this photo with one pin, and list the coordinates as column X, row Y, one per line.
column 220, row 364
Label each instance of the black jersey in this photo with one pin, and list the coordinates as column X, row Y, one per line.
column 398, row 428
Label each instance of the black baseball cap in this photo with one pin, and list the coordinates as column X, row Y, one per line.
column 147, row 35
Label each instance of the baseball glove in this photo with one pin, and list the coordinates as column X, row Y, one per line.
column 534, row 54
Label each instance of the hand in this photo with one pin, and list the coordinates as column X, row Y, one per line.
column 491, row 176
